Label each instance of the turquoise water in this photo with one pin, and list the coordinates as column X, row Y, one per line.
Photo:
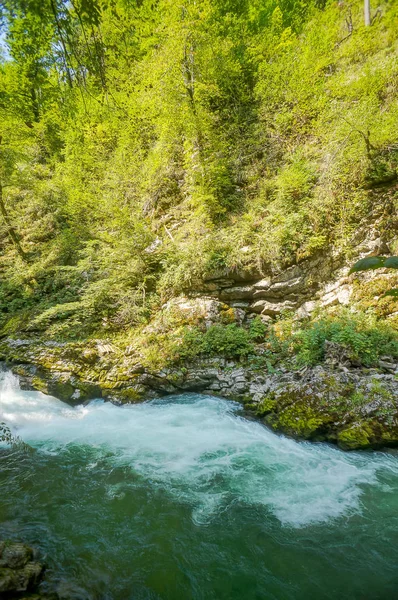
column 183, row 498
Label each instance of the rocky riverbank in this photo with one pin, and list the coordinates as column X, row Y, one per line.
column 356, row 408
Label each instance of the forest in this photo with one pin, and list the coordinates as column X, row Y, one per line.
column 145, row 145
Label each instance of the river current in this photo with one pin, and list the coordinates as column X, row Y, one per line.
column 184, row 498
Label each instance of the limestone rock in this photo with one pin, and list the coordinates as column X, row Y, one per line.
column 238, row 293
column 237, row 276
column 306, row 309
column 272, row 309
column 202, row 307
column 14, row 556
column 336, row 354
column 281, row 289
column 263, row 284
column 338, row 295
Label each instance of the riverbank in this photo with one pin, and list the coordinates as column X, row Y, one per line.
column 354, row 407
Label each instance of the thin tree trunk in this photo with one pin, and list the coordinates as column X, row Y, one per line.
column 367, row 12
column 10, row 229
column 61, row 39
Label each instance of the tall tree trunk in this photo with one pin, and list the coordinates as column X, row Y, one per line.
column 10, row 229
column 367, row 12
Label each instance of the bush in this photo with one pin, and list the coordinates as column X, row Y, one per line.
column 365, row 338
column 229, row 341
column 257, row 330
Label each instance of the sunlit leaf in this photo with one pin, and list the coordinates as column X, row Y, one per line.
column 391, row 262
column 365, row 264
column 393, row 293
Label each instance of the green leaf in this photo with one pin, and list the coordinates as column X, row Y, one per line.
column 365, row 264
column 391, row 262
column 393, row 293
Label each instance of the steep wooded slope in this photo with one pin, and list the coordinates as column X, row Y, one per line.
column 147, row 148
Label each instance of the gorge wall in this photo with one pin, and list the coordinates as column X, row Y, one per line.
column 339, row 401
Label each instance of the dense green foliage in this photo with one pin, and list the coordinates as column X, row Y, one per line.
column 364, row 338
column 360, row 339
column 229, row 341
column 146, row 144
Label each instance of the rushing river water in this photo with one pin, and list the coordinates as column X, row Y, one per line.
column 183, row 498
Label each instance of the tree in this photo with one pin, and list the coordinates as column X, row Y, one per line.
column 6, row 218
column 10, row 229
column 367, row 12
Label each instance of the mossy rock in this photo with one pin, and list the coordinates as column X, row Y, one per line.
column 298, row 420
column 130, row 394
column 22, row 370
column 368, row 434
column 356, row 436
column 62, row 390
column 65, row 388
column 228, row 315
column 40, row 384
column 389, row 437
column 267, row 405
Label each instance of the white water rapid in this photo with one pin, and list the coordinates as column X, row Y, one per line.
column 202, row 452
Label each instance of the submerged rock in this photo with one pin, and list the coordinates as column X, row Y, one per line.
column 19, row 572
column 14, row 555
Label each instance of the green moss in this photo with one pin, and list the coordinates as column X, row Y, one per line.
column 227, row 315
column 130, row 394
column 111, row 385
column 371, row 295
column 359, row 435
column 266, row 406
column 39, row 384
column 389, row 436
column 61, row 390
column 381, row 391
column 299, row 420
column 357, row 399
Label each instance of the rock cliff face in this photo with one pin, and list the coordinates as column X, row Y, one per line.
column 323, row 280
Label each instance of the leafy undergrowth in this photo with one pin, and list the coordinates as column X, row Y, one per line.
column 362, row 338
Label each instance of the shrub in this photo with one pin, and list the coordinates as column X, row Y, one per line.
column 365, row 338
column 257, row 330
column 229, row 341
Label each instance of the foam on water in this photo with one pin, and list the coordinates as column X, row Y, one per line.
column 200, row 450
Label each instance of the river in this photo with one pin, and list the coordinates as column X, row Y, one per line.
column 184, row 498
